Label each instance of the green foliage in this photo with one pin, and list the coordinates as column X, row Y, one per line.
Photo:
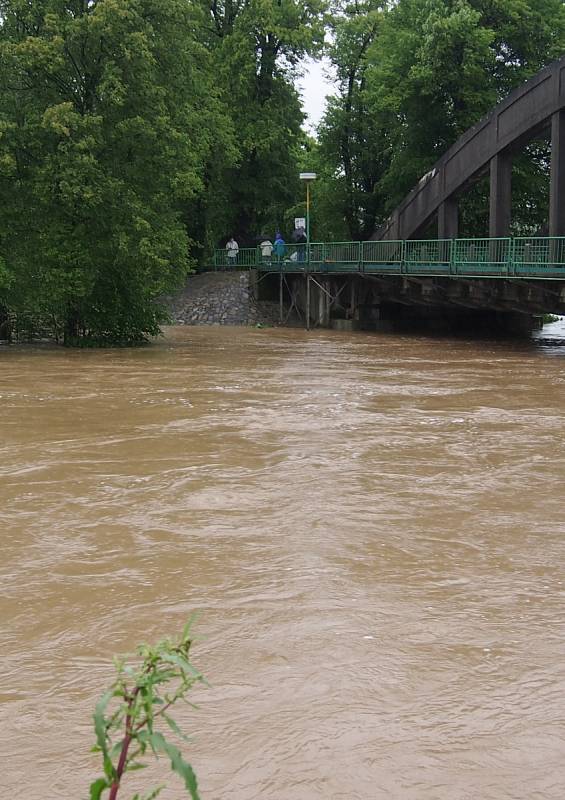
column 134, row 135
column 353, row 143
column 413, row 76
column 137, row 135
column 256, row 47
column 129, row 717
column 108, row 112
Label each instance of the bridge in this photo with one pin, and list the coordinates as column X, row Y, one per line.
column 507, row 281
column 535, row 108
column 513, row 278
column 524, row 257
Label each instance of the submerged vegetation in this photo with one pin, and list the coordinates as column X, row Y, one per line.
column 136, row 135
column 133, row 134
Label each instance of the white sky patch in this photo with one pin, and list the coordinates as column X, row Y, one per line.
column 313, row 88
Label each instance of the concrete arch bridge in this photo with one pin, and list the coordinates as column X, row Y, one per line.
column 401, row 274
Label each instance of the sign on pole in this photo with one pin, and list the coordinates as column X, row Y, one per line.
column 299, row 222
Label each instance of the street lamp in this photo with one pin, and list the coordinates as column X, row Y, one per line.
column 308, row 177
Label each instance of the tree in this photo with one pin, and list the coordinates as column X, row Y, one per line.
column 413, row 81
column 352, row 141
column 108, row 112
column 257, row 46
column 440, row 65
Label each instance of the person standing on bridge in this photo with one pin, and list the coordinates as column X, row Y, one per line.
column 266, row 247
column 279, row 247
column 232, row 249
column 301, row 240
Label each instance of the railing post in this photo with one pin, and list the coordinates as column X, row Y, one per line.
column 511, row 267
column 553, row 251
column 452, row 265
column 403, row 257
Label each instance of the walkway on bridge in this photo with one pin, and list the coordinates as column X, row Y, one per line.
column 510, row 258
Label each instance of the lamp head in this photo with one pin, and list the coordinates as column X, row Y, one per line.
column 307, row 176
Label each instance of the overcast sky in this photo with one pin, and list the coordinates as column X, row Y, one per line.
column 314, row 87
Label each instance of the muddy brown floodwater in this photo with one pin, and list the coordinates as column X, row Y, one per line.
column 371, row 527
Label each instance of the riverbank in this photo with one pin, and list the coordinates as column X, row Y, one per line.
column 221, row 298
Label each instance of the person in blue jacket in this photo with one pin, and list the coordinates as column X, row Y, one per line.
column 279, row 247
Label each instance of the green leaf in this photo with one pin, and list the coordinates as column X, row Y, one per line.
column 152, row 795
column 100, row 727
column 178, row 764
column 183, row 664
column 147, row 698
column 174, row 727
column 187, row 628
column 100, row 720
column 133, row 767
column 116, row 750
column 145, row 738
column 97, row 788
column 109, row 769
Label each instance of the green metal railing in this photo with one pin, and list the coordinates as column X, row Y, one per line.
column 483, row 256
column 247, row 257
column 534, row 257
column 387, row 256
column 325, row 256
column 427, row 256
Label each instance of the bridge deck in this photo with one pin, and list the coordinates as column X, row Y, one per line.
column 514, row 258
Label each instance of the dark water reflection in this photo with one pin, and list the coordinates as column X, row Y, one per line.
column 371, row 526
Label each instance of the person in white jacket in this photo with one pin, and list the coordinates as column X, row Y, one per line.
column 232, row 249
column 266, row 247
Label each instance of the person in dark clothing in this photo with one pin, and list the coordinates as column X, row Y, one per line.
column 301, row 239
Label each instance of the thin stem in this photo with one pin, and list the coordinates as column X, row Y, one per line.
column 157, row 713
column 125, row 747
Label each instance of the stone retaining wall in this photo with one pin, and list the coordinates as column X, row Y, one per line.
column 220, row 298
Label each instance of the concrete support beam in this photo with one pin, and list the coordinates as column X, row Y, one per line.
column 500, row 195
column 448, row 219
column 557, row 190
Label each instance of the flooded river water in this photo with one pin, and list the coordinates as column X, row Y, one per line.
column 371, row 527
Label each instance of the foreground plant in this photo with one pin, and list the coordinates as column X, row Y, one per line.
column 130, row 717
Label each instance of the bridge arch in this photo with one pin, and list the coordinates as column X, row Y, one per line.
column 534, row 107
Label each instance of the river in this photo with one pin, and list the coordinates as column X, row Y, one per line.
column 371, row 528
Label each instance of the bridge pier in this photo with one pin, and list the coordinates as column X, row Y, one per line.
column 557, row 186
column 500, row 195
column 448, row 219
